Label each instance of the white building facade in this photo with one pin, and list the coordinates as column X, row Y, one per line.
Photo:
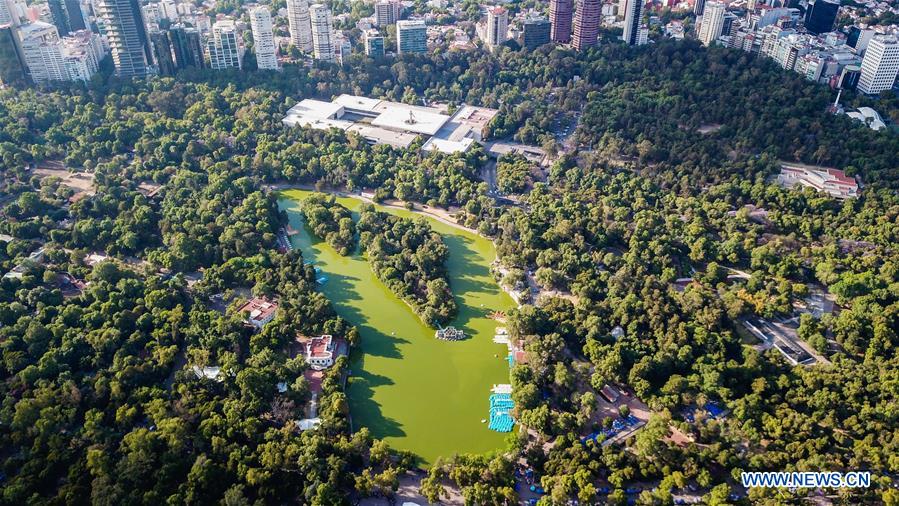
column 263, row 38
column 497, row 30
column 880, row 65
column 322, row 33
column 223, row 47
column 298, row 20
column 712, row 23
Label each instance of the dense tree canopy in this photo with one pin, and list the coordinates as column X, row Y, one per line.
column 668, row 180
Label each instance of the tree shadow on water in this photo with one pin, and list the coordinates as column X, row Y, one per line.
column 366, row 411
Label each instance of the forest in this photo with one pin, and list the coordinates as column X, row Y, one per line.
column 330, row 221
column 101, row 403
column 410, row 259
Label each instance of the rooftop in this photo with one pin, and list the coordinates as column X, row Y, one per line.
column 394, row 123
column 401, row 117
column 259, row 310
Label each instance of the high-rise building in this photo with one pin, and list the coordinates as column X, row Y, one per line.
column 727, row 25
column 59, row 15
column 859, row 38
column 323, row 43
column 66, row 15
column 497, row 26
column 152, row 15
column 411, row 36
column 223, row 46
column 12, row 67
column 162, row 52
column 82, row 52
column 342, row 49
column 820, row 16
column 168, row 10
column 187, row 47
column 560, row 12
column 632, row 18
column 8, row 13
column 387, row 12
column 374, row 44
column 586, row 23
column 300, row 25
column 535, row 33
column 263, row 38
column 42, row 52
column 880, row 65
column 642, row 35
column 127, row 35
column 712, row 23
column 699, row 7
column 76, row 16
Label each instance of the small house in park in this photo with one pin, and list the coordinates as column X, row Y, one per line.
column 259, row 311
column 322, row 351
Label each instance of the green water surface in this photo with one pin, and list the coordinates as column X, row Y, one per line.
column 415, row 391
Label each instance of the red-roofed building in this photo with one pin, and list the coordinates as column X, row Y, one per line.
column 321, row 352
column 832, row 181
column 259, row 311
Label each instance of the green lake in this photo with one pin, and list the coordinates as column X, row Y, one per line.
column 407, row 387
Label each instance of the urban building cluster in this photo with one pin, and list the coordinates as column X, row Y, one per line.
column 802, row 36
column 66, row 40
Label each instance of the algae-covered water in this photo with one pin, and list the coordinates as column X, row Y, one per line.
column 415, row 391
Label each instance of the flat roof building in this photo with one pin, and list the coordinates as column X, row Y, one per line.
column 393, row 123
column 411, row 36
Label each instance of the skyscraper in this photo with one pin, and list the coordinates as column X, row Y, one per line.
column 411, row 36
column 127, row 36
column 66, row 15
column 536, row 33
column 8, row 15
column 75, row 16
column 162, row 52
column 880, row 65
column 59, row 15
column 820, row 15
column 586, row 23
column 12, row 68
column 632, row 17
column 497, row 26
column 263, row 38
column 322, row 33
column 224, row 46
column 699, row 7
column 387, row 12
column 712, row 23
column 187, row 47
column 300, row 24
column 560, row 12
